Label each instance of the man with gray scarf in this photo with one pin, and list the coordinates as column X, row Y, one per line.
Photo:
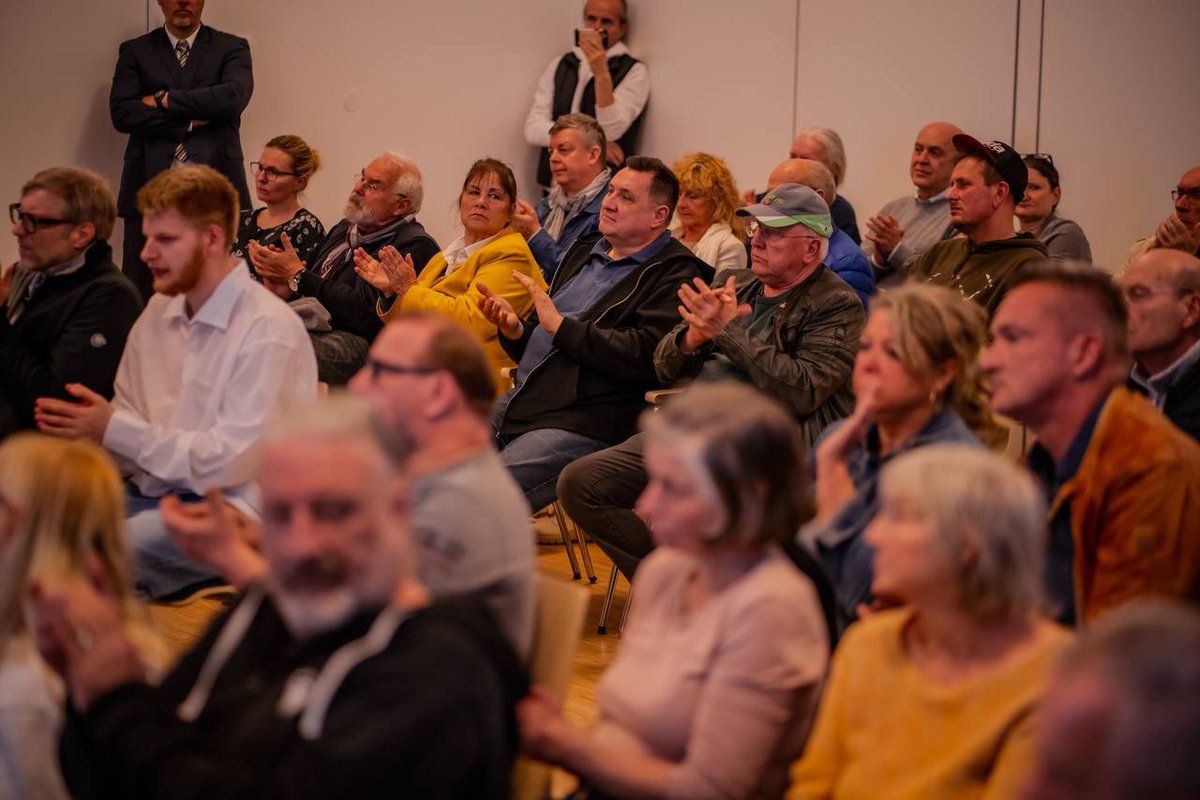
column 572, row 208
column 65, row 308
column 337, row 306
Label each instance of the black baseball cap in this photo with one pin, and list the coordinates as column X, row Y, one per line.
column 1008, row 162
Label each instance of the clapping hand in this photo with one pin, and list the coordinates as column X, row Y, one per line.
column 548, row 316
column 86, row 419
column 273, row 263
column 885, row 232
column 392, row 273
column 216, row 534
column 499, row 312
column 1174, row 234
column 707, row 311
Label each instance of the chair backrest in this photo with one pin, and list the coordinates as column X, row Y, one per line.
column 561, row 610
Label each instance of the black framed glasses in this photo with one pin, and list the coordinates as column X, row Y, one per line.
column 270, row 172
column 1192, row 193
column 1049, row 159
column 377, row 367
column 31, row 222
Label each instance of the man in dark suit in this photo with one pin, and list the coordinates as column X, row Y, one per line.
column 179, row 92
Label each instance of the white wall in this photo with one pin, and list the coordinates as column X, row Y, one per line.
column 450, row 81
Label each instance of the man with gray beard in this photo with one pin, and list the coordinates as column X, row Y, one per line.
column 337, row 305
column 335, row 675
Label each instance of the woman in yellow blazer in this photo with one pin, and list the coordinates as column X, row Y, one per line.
column 488, row 252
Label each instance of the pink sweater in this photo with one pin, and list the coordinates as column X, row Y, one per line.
column 726, row 692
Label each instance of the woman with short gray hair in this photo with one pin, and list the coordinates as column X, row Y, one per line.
column 959, row 666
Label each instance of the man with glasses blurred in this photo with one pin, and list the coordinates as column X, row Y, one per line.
column 338, row 306
column 789, row 326
column 179, row 92
column 65, row 308
column 1181, row 230
column 1162, row 290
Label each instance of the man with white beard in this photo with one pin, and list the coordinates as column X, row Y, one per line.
column 334, row 676
column 337, row 305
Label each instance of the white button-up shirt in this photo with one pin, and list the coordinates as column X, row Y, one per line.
column 193, row 395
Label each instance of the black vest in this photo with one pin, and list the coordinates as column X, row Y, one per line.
column 566, row 78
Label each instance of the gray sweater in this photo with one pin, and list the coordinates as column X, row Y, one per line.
column 925, row 223
column 1064, row 239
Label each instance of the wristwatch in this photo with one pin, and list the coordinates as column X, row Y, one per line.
column 158, row 97
column 294, row 281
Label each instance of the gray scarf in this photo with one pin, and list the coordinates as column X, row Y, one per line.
column 343, row 252
column 563, row 208
column 26, row 281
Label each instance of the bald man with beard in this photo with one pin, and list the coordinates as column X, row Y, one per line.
column 908, row 226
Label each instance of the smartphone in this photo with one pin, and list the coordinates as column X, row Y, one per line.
column 603, row 36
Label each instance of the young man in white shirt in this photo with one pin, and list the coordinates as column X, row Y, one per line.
column 206, row 364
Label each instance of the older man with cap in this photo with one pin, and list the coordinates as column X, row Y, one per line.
column 987, row 183
column 788, row 325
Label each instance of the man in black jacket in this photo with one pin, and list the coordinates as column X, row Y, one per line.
column 586, row 354
column 65, row 308
column 381, row 212
column 335, row 675
column 179, row 92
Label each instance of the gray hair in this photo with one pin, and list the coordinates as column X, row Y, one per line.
column 835, row 151
column 341, row 415
column 589, row 129
column 408, row 181
column 975, row 501
column 1147, row 652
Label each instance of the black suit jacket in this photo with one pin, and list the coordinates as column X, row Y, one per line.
column 215, row 87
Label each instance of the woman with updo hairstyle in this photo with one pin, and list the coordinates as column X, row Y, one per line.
column 281, row 173
column 704, row 216
column 62, row 516
column 479, row 264
column 935, row 697
column 916, row 382
column 1037, row 213
column 713, row 688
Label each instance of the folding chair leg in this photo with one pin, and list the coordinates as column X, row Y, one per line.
column 602, row 628
column 561, row 519
column 625, row 610
column 583, row 549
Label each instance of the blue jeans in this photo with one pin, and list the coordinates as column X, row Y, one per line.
column 536, row 458
column 161, row 569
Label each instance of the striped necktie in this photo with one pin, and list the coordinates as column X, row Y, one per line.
column 182, row 50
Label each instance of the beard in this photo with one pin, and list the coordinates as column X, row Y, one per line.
column 188, row 277
column 319, row 594
column 360, row 216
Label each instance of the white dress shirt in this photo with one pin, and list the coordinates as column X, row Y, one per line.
column 629, row 98
column 193, row 395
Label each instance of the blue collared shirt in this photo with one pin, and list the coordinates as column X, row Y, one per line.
column 587, row 287
column 1060, row 551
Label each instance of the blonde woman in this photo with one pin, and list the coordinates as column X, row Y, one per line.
column 916, row 383
column 935, row 699
column 704, row 219
column 62, row 512
column 281, row 173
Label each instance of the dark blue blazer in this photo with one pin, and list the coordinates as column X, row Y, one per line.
column 215, row 87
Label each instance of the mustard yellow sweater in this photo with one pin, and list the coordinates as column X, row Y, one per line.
column 886, row 731
column 456, row 293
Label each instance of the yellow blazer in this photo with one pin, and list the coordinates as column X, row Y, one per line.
column 456, row 295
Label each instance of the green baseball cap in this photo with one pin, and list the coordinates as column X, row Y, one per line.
column 791, row 204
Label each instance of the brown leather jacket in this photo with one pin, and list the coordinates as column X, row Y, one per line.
column 1135, row 509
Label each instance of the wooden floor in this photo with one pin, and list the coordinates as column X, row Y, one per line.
column 181, row 624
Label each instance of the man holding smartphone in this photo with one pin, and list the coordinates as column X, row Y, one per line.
column 599, row 77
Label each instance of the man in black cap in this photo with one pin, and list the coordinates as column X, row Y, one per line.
column 988, row 181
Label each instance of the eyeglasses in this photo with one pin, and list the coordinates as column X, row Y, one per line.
column 31, row 222
column 1049, row 159
column 271, row 173
column 369, row 184
column 1140, row 294
column 756, row 228
column 376, row 367
column 1192, row 194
